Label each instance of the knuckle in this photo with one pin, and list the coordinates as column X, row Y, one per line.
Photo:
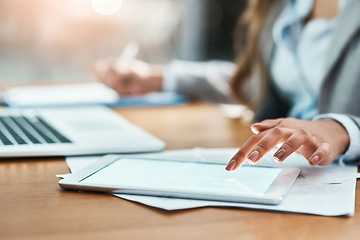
column 254, row 139
column 276, row 131
column 288, row 144
column 315, row 139
column 311, row 146
column 303, row 132
column 324, row 150
column 261, row 146
column 327, row 147
column 330, row 149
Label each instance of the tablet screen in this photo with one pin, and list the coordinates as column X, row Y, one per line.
column 178, row 176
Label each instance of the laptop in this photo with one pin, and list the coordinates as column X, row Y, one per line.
column 71, row 131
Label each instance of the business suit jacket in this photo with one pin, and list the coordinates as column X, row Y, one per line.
column 340, row 92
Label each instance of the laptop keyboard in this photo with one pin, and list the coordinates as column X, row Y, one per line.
column 22, row 130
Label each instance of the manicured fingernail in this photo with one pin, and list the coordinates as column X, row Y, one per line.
column 253, row 156
column 253, row 127
column 313, row 160
column 231, row 165
column 279, row 155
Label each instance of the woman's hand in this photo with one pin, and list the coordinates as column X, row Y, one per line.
column 135, row 78
column 320, row 142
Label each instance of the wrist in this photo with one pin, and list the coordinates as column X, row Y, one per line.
column 156, row 79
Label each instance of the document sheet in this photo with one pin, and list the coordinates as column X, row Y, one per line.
column 328, row 191
column 81, row 94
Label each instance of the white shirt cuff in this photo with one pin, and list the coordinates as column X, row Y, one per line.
column 170, row 72
column 354, row 133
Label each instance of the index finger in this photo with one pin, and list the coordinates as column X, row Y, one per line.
column 240, row 157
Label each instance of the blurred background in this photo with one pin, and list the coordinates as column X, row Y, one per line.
column 52, row 40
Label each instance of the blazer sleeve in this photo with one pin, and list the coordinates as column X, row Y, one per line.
column 356, row 119
column 200, row 81
column 209, row 81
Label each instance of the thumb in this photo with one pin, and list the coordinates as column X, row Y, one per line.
column 265, row 125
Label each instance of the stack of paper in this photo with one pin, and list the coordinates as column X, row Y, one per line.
column 328, row 191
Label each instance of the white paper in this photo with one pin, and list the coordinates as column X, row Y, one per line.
column 328, row 191
column 82, row 93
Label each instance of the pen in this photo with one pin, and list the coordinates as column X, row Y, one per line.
column 127, row 56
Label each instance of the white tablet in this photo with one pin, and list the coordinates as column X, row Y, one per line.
column 182, row 179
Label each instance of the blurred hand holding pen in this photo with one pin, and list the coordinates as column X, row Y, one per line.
column 128, row 75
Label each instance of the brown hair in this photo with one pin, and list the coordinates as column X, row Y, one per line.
column 247, row 50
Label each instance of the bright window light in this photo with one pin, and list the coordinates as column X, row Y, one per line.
column 106, row 7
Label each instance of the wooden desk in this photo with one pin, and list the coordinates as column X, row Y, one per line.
column 32, row 206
